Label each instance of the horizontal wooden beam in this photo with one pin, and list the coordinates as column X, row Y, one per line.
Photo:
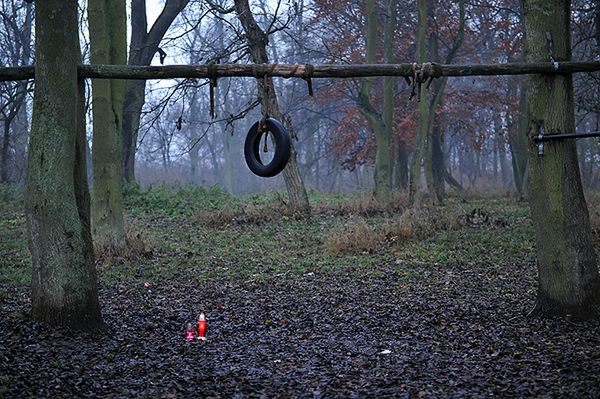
column 17, row 73
column 429, row 70
column 329, row 71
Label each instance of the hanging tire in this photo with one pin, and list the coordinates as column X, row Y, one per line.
column 282, row 149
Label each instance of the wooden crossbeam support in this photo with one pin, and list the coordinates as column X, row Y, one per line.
column 429, row 70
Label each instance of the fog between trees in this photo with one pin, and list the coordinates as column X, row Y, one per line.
column 477, row 119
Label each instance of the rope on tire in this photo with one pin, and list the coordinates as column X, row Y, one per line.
column 281, row 139
column 266, row 126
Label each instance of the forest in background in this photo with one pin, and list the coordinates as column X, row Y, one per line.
column 445, row 288
column 476, row 119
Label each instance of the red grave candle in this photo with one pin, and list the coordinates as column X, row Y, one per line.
column 202, row 327
column 189, row 333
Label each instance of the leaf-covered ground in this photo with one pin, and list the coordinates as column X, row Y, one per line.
column 440, row 315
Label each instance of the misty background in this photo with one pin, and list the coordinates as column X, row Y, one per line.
column 179, row 143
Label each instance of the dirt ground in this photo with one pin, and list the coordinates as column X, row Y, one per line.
column 435, row 332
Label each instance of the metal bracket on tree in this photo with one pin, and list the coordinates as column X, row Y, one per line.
column 542, row 137
column 551, row 51
column 540, row 140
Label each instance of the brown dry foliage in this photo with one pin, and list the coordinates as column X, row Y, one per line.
column 248, row 214
column 363, row 204
column 356, row 236
column 359, row 205
column 420, row 222
column 136, row 246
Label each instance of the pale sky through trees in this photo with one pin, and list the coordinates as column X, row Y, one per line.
column 153, row 8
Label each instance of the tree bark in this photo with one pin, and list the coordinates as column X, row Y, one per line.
column 421, row 143
column 383, row 161
column 381, row 124
column 64, row 288
column 257, row 42
column 143, row 46
column 435, row 165
column 438, row 161
column 135, row 97
column 108, row 45
column 401, row 166
column 518, row 143
column 568, row 280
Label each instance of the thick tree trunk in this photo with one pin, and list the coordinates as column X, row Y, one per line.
column 568, row 281
column 108, row 45
column 257, row 43
column 64, row 288
column 298, row 198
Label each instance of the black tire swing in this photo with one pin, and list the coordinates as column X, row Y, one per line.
column 281, row 138
column 267, row 126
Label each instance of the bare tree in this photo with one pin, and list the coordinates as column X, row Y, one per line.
column 16, row 19
column 257, row 44
column 144, row 45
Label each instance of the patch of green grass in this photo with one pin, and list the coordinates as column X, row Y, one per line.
column 14, row 254
column 182, row 201
column 125, row 271
column 11, row 195
column 282, row 247
column 493, row 244
column 467, row 246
